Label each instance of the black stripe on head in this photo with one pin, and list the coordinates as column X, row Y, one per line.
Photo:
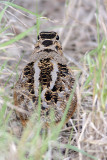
column 47, row 43
column 47, row 35
column 48, row 50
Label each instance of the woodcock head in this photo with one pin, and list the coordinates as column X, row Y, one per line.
column 48, row 41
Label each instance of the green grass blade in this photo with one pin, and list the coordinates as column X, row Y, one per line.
column 17, row 38
column 4, row 29
column 3, row 66
column 88, row 81
column 2, row 13
column 81, row 151
column 19, row 7
column 2, row 113
column 68, row 103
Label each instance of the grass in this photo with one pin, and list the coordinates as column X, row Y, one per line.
column 97, row 62
column 33, row 145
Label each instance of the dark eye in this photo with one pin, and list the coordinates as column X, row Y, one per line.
column 57, row 37
column 38, row 37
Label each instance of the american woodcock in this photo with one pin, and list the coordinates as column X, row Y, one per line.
column 48, row 70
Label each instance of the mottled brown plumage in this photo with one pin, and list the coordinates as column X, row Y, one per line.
column 47, row 68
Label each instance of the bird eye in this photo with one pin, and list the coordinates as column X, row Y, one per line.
column 38, row 37
column 57, row 37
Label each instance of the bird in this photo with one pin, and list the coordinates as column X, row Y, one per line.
column 48, row 77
